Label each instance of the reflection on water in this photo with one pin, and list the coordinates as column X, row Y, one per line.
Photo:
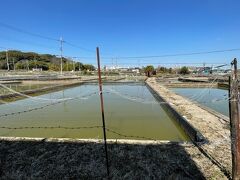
column 213, row 98
column 129, row 109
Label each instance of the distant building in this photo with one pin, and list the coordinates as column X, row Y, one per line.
column 123, row 69
column 204, row 70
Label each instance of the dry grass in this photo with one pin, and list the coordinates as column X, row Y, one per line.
column 21, row 159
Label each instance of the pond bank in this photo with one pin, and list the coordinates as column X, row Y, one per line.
column 59, row 84
column 49, row 158
column 50, row 87
column 211, row 127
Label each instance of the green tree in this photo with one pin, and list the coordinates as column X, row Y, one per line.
column 25, row 60
column 149, row 70
column 184, row 70
column 78, row 66
column 88, row 67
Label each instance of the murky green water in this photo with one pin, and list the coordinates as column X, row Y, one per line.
column 129, row 110
column 213, row 98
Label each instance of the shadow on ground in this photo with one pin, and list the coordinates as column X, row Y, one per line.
column 58, row 160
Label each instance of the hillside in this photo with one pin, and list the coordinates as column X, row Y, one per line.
column 19, row 60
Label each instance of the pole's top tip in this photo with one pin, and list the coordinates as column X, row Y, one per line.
column 234, row 61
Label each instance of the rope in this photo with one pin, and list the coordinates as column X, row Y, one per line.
column 74, row 128
column 42, row 107
column 129, row 136
column 31, row 97
column 48, row 127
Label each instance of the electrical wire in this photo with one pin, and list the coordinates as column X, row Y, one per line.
column 180, row 54
column 28, row 43
column 27, row 32
column 79, row 47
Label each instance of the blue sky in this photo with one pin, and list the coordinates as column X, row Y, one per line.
column 125, row 28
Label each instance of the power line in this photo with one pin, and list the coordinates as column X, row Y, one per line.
column 42, row 36
column 1, row 47
column 27, row 32
column 79, row 47
column 164, row 55
column 28, row 43
column 167, row 63
column 180, row 54
column 121, row 57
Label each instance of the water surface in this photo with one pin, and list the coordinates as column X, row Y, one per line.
column 213, row 98
column 129, row 110
column 20, row 87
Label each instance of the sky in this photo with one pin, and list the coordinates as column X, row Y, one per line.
column 124, row 28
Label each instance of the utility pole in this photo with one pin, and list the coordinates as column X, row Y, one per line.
column 61, row 49
column 102, row 108
column 27, row 66
column 13, row 64
column 73, row 65
column 234, row 121
column 67, row 65
column 7, row 60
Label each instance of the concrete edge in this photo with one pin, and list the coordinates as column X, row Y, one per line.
column 100, row 141
column 194, row 134
column 40, row 90
column 215, row 113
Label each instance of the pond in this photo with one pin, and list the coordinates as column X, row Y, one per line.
column 21, row 87
column 131, row 112
column 216, row 99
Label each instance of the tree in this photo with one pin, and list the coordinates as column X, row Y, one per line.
column 184, row 70
column 29, row 60
column 88, row 67
column 149, row 70
column 162, row 70
column 78, row 66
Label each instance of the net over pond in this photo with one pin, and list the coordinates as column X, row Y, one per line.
column 216, row 99
column 131, row 112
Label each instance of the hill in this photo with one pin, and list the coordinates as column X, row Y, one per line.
column 19, row 60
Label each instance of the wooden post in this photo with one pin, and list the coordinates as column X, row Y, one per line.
column 102, row 108
column 7, row 60
column 234, row 122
